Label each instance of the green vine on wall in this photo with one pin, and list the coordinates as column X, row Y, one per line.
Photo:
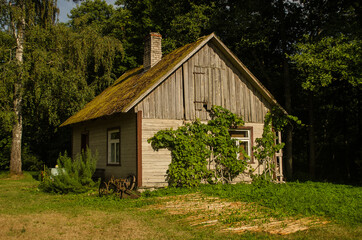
column 206, row 152
column 202, row 152
column 267, row 146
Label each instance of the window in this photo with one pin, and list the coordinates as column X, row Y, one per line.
column 113, row 147
column 244, row 137
column 84, row 141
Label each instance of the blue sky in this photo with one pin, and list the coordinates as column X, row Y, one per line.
column 66, row 5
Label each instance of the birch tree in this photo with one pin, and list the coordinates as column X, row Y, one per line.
column 49, row 72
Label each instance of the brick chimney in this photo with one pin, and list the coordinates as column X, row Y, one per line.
column 153, row 50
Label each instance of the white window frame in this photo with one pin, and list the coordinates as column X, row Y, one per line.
column 116, row 152
column 248, row 140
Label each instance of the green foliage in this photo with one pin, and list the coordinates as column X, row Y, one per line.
column 188, row 26
column 5, row 148
column 95, row 13
column 330, row 77
column 331, row 59
column 189, row 152
column 30, row 162
column 63, row 70
column 195, row 145
column 224, row 149
column 266, row 148
column 269, row 144
column 73, row 176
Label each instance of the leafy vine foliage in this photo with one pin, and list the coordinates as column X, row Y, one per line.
column 268, row 145
column 202, row 152
column 265, row 150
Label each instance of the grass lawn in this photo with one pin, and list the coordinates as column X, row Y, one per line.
column 288, row 211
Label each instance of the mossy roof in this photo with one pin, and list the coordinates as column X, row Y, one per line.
column 127, row 89
column 135, row 84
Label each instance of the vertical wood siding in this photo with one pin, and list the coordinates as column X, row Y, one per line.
column 206, row 79
column 98, row 142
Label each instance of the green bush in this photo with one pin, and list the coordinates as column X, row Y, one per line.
column 73, row 176
column 30, row 162
column 5, row 148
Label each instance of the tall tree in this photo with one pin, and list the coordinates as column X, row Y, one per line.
column 23, row 14
column 53, row 72
column 329, row 69
column 326, row 19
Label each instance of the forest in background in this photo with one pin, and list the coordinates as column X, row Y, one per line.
column 306, row 53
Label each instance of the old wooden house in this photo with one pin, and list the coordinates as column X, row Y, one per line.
column 162, row 94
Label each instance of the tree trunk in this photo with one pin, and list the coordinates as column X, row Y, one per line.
column 15, row 160
column 288, row 153
column 311, row 138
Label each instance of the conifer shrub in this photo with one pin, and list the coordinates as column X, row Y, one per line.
column 74, row 176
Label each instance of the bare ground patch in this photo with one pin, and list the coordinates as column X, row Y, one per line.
column 237, row 217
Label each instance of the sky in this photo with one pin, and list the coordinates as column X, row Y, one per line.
column 66, row 5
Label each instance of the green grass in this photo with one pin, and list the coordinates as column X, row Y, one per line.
column 27, row 206
column 341, row 203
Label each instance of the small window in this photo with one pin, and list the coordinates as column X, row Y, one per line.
column 114, row 147
column 243, row 139
column 84, row 142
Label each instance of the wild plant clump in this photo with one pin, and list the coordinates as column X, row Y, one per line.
column 72, row 175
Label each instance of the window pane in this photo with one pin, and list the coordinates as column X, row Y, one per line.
column 240, row 134
column 243, row 146
column 112, row 152
column 115, row 135
column 117, row 153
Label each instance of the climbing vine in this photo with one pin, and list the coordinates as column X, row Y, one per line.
column 206, row 152
column 269, row 144
column 202, row 152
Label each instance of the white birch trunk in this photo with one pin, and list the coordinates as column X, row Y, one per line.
column 15, row 160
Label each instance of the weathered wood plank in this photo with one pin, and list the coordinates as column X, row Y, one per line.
column 172, row 97
column 151, row 100
column 191, row 89
column 186, row 92
column 238, row 96
column 178, row 94
column 158, row 103
column 146, row 108
column 250, row 101
column 218, row 87
column 232, row 90
column 226, row 89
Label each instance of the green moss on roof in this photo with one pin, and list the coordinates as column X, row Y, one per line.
column 130, row 86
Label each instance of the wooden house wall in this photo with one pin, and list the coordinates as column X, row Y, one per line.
column 207, row 78
column 98, row 130
column 155, row 164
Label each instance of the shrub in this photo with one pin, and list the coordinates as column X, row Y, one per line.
column 30, row 162
column 5, row 148
column 73, row 176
